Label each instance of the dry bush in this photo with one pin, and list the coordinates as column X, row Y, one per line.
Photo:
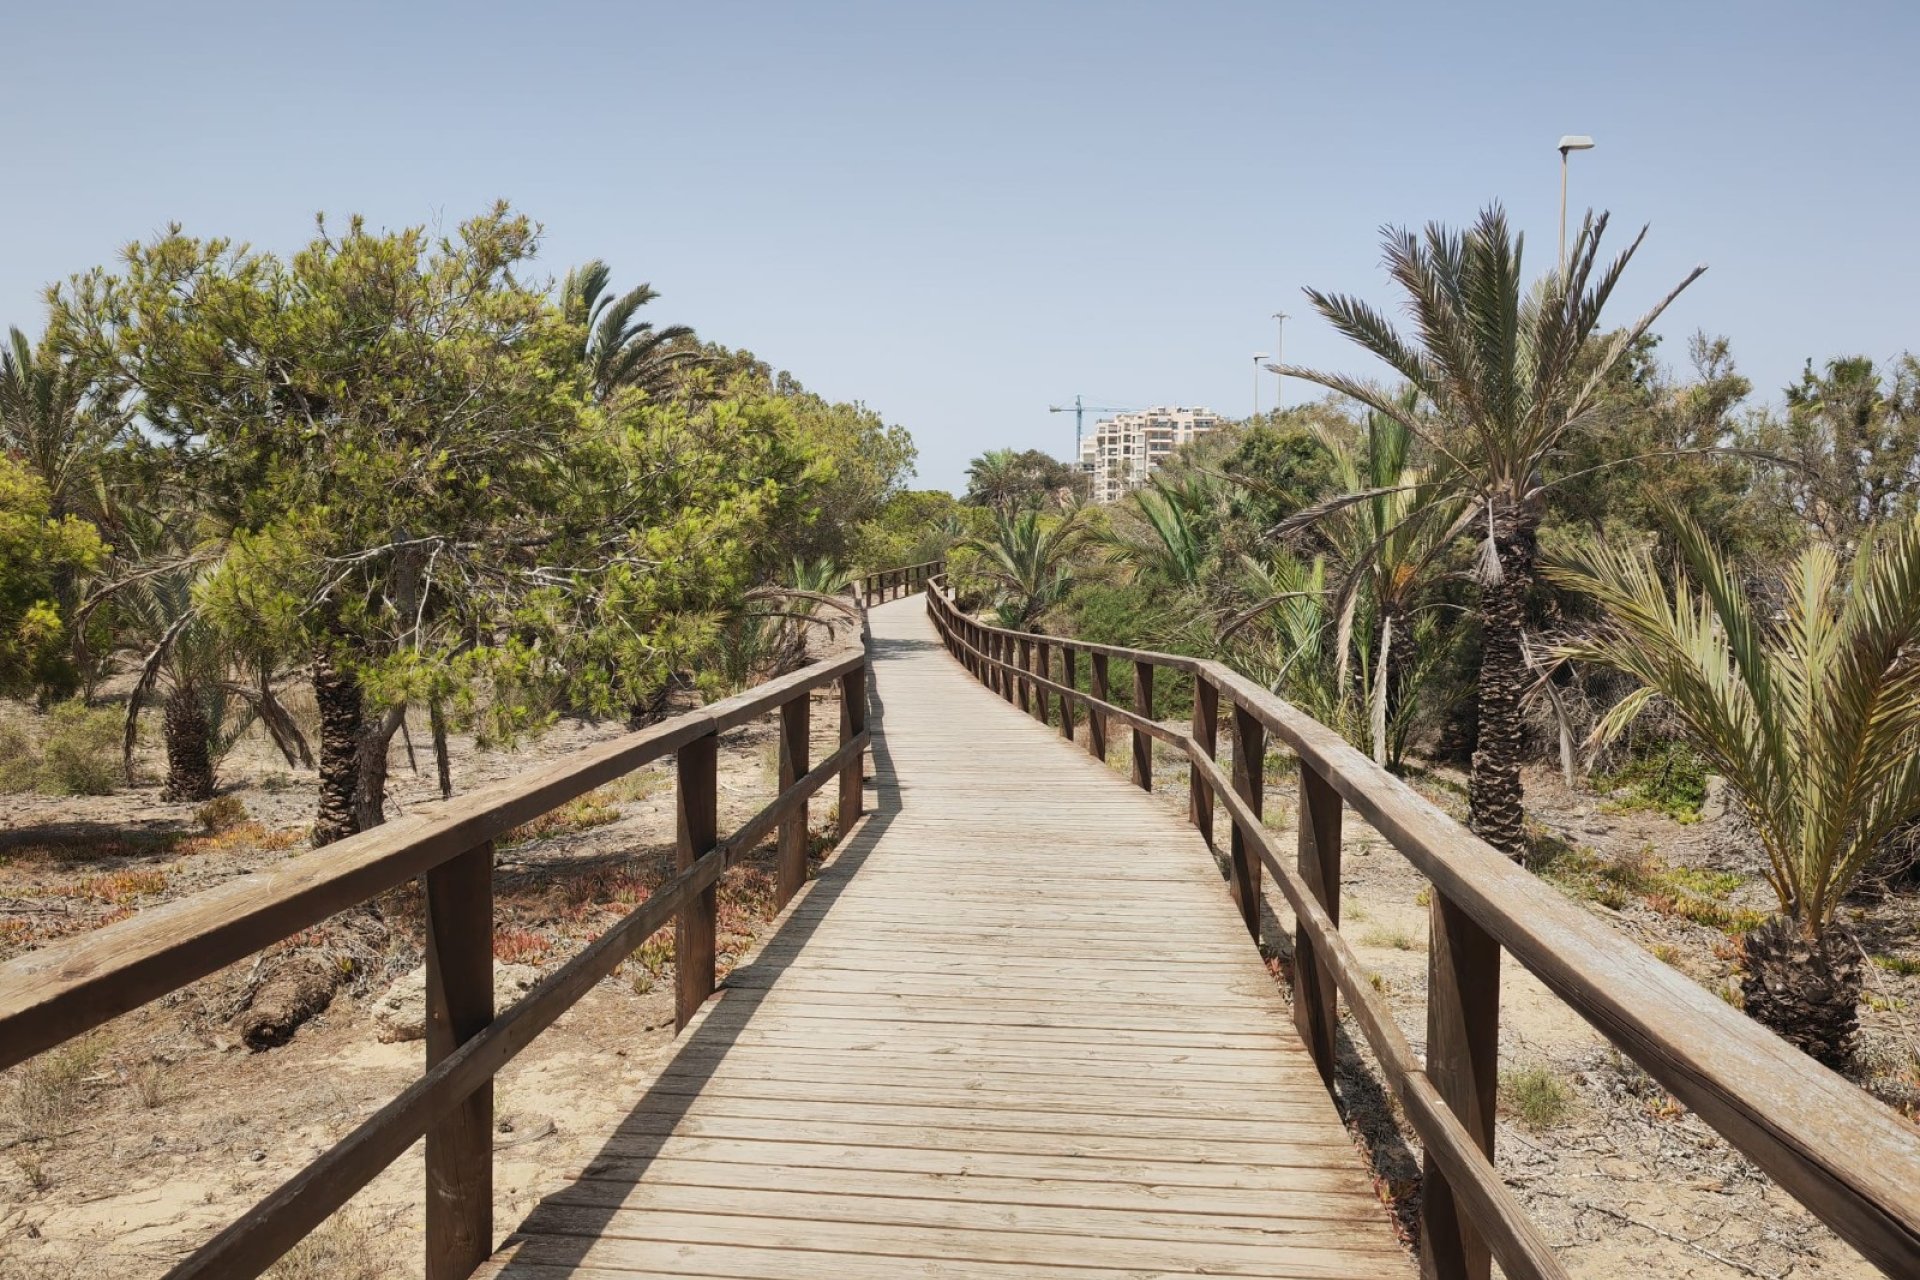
column 52, row 1087
column 343, row 1248
column 80, row 755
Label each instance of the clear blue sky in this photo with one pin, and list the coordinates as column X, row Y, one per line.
column 961, row 213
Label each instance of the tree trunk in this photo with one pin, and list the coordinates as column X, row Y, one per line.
column 337, row 693
column 442, row 762
column 189, row 746
column 1494, row 794
column 370, row 795
column 1805, row 989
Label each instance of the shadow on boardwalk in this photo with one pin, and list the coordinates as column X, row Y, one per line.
column 629, row 1152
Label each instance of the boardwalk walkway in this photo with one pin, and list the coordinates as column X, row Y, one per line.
column 1014, row 1030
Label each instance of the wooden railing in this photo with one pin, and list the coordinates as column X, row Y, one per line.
column 891, row 584
column 1842, row 1154
column 53, row 995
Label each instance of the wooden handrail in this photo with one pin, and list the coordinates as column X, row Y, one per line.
column 891, row 584
column 1843, row 1155
column 52, row 995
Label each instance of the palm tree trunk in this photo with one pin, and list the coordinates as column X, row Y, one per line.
column 337, row 693
column 1494, row 794
column 189, row 746
column 1382, row 689
column 1806, row 989
column 370, row 793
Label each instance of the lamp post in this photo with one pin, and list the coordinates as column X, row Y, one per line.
column 1279, row 379
column 1572, row 142
column 1258, row 356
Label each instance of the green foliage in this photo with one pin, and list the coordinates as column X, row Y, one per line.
column 912, row 526
column 1851, row 444
column 73, row 750
column 1536, row 1096
column 1806, row 702
column 1669, row 779
column 36, row 550
column 1027, row 562
column 1007, row 480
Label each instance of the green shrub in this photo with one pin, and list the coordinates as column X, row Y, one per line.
column 80, row 754
column 1669, row 779
column 19, row 758
column 1538, row 1097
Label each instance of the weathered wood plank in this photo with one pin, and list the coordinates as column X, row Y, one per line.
column 1017, row 1031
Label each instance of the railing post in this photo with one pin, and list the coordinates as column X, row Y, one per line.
column 1026, row 666
column 1315, row 1007
column 1463, row 1061
column 1205, row 733
column 1070, row 678
column 1009, row 685
column 1142, row 741
column 790, row 870
column 1096, row 717
column 1041, row 665
column 1250, row 781
column 697, row 799
column 853, row 722
column 459, row 1156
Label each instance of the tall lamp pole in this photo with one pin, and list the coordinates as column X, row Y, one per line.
column 1572, row 142
column 1258, row 356
column 1279, row 379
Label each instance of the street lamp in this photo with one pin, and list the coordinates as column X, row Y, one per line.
column 1279, row 379
column 1572, row 142
column 1258, row 356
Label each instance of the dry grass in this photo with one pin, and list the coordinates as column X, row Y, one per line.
column 343, row 1248
column 641, row 784
column 52, row 1088
column 584, row 814
column 1393, row 936
column 1535, row 1096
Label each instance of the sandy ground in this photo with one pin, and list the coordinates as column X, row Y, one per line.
column 1622, row 1179
column 125, row 1151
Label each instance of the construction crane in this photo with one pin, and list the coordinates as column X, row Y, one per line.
column 1079, row 412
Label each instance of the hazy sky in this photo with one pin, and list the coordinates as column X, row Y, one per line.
column 963, row 213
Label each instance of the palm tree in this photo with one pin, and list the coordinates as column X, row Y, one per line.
column 1509, row 373
column 45, row 421
column 1388, row 546
column 621, row 352
column 1028, row 562
column 1808, row 703
column 1172, row 545
column 213, row 689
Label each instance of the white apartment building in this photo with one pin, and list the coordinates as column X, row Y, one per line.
column 1122, row 451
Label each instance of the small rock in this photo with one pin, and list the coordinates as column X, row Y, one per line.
column 257, row 1156
column 400, row 1012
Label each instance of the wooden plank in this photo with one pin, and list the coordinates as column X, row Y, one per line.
column 1838, row 1151
column 1142, row 742
column 459, row 1005
column 791, row 861
column 957, row 1058
column 853, row 723
column 1205, row 729
column 696, row 799
column 1463, row 1061
column 1096, row 717
column 1249, row 783
column 1069, row 677
column 1315, row 1011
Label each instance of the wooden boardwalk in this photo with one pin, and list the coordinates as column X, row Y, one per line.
column 1015, row 1029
